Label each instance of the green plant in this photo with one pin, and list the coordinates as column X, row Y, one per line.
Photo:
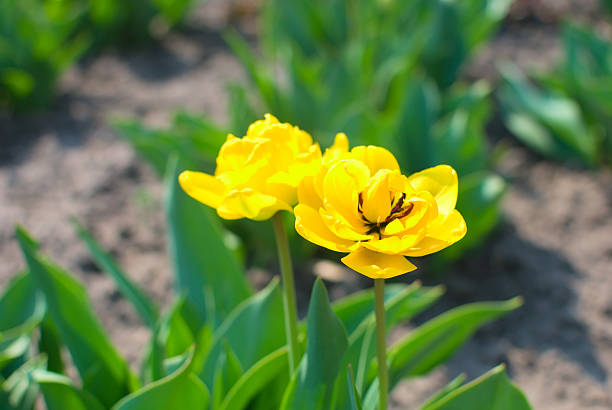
column 386, row 74
column 39, row 39
column 125, row 22
column 567, row 114
column 221, row 346
column 38, row 42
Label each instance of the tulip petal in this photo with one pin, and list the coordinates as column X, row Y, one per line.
column 376, row 158
column 341, row 187
column 340, row 227
column 308, row 224
column 203, row 187
column 441, row 233
column 450, row 227
column 440, row 181
column 377, row 197
column 307, row 193
column 337, row 150
column 394, row 245
column 258, row 126
column 248, row 203
column 377, row 265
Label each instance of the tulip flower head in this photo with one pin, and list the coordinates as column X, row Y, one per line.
column 258, row 174
column 359, row 202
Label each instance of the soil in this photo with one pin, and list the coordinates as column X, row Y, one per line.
column 554, row 246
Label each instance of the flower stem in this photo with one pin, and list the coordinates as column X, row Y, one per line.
column 381, row 344
column 289, row 303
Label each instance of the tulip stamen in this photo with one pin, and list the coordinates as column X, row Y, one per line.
column 398, row 211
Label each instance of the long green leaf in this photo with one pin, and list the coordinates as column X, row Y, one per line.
column 202, row 261
column 254, row 379
column 492, row 391
column 103, row 372
column 60, row 394
column 180, row 390
column 21, row 308
column 445, row 391
column 432, row 343
column 312, row 386
column 253, row 330
column 142, row 303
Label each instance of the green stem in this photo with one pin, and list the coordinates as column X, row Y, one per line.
column 284, row 259
column 381, row 344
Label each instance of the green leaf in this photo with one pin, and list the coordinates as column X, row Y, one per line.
column 435, row 341
column 312, row 386
column 549, row 123
column 142, row 303
column 20, row 388
column 258, row 72
column 253, row 330
column 21, row 308
column 354, row 308
column 201, row 259
column 355, row 398
column 492, row 391
column 175, row 332
column 180, row 390
column 13, row 349
column 61, row 394
column 103, row 372
column 255, row 379
column 401, row 306
column 445, row 391
column 50, row 344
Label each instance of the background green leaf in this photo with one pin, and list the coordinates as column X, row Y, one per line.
column 103, row 371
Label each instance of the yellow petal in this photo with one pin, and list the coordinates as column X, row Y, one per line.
column 424, row 209
column 251, row 204
column 375, row 158
column 394, row 245
column 377, row 265
column 377, row 197
column 308, row 224
column 342, row 228
column 307, row 193
column 341, row 187
column 203, row 187
column 337, row 150
column 441, row 182
column 450, row 227
column 258, row 126
column 441, row 233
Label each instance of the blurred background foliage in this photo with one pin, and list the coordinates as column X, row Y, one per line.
column 566, row 113
column 39, row 39
column 388, row 73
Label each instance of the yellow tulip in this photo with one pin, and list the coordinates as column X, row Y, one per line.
column 258, row 174
column 359, row 202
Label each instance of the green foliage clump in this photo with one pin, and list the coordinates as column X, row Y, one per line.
column 39, row 39
column 567, row 114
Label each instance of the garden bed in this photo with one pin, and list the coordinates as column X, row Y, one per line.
column 554, row 246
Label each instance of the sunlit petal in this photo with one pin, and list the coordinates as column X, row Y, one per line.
column 308, row 223
column 377, row 265
column 440, row 181
column 203, row 187
column 376, row 158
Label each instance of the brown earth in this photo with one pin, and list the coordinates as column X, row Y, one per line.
column 554, row 247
